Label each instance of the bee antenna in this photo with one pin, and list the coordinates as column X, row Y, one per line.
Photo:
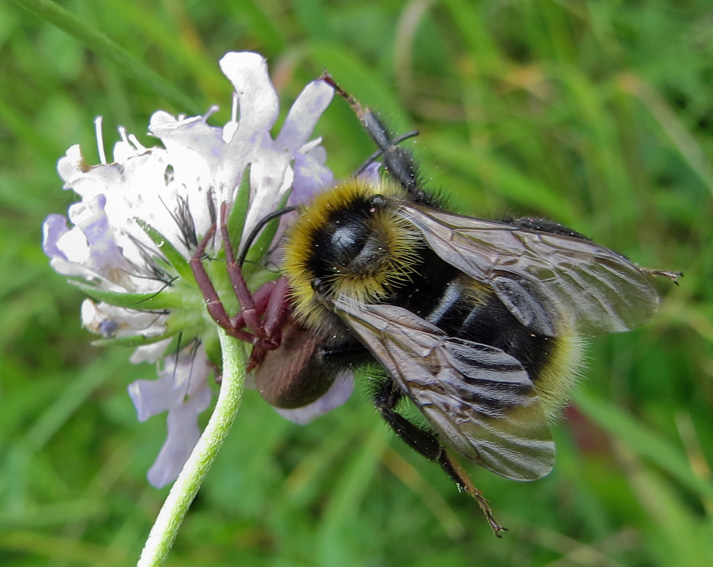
column 258, row 227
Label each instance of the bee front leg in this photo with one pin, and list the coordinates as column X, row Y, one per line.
column 398, row 161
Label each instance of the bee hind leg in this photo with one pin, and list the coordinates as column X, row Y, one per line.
column 463, row 482
column 386, row 397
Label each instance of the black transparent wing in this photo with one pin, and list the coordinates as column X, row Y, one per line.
column 479, row 399
column 553, row 284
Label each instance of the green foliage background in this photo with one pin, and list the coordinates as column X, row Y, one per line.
column 594, row 113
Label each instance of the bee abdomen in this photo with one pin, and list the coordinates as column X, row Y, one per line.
column 470, row 310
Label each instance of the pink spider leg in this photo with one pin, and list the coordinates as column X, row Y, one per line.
column 212, row 300
column 276, row 314
column 248, row 310
column 269, row 301
column 260, row 299
column 262, row 314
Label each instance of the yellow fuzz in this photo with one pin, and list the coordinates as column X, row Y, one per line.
column 556, row 380
column 564, row 360
column 398, row 251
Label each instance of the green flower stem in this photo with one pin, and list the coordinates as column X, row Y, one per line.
column 184, row 490
column 105, row 47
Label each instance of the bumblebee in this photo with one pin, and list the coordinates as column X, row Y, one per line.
column 477, row 323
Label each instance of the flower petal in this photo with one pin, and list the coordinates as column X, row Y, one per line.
column 183, row 434
column 303, row 115
column 152, row 397
column 112, row 321
column 371, row 173
column 149, row 353
column 311, row 177
column 186, row 379
column 256, row 96
column 54, row 227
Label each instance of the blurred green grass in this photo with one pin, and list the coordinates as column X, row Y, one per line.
column 596, row 114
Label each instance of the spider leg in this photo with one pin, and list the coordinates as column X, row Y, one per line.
column 276, row 312
column 212, row 300
column 250, row 314
column 261, row 297
column 275, row 307
column 262, row 314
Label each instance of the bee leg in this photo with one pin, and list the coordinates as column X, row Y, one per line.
column 386, row 397
column 545, row 225
column 673, row 276
column 463, row 482
column 398, row 161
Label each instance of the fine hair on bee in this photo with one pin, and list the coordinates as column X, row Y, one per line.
column 477, row 323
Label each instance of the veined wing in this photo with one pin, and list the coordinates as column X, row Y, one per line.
column 478, row 398
column 552, row 283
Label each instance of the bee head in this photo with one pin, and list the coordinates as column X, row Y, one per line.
column 350, row 241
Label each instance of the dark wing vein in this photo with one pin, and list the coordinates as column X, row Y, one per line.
column 553, row 283
column 477, row 397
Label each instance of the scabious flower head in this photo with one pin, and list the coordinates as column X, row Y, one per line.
column 141, row 217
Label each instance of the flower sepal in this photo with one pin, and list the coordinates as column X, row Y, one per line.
column 262, row 243
column 239, row 211
column 168, row 298
column 171, row 254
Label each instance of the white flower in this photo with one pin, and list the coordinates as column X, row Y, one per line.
column 141, row 217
